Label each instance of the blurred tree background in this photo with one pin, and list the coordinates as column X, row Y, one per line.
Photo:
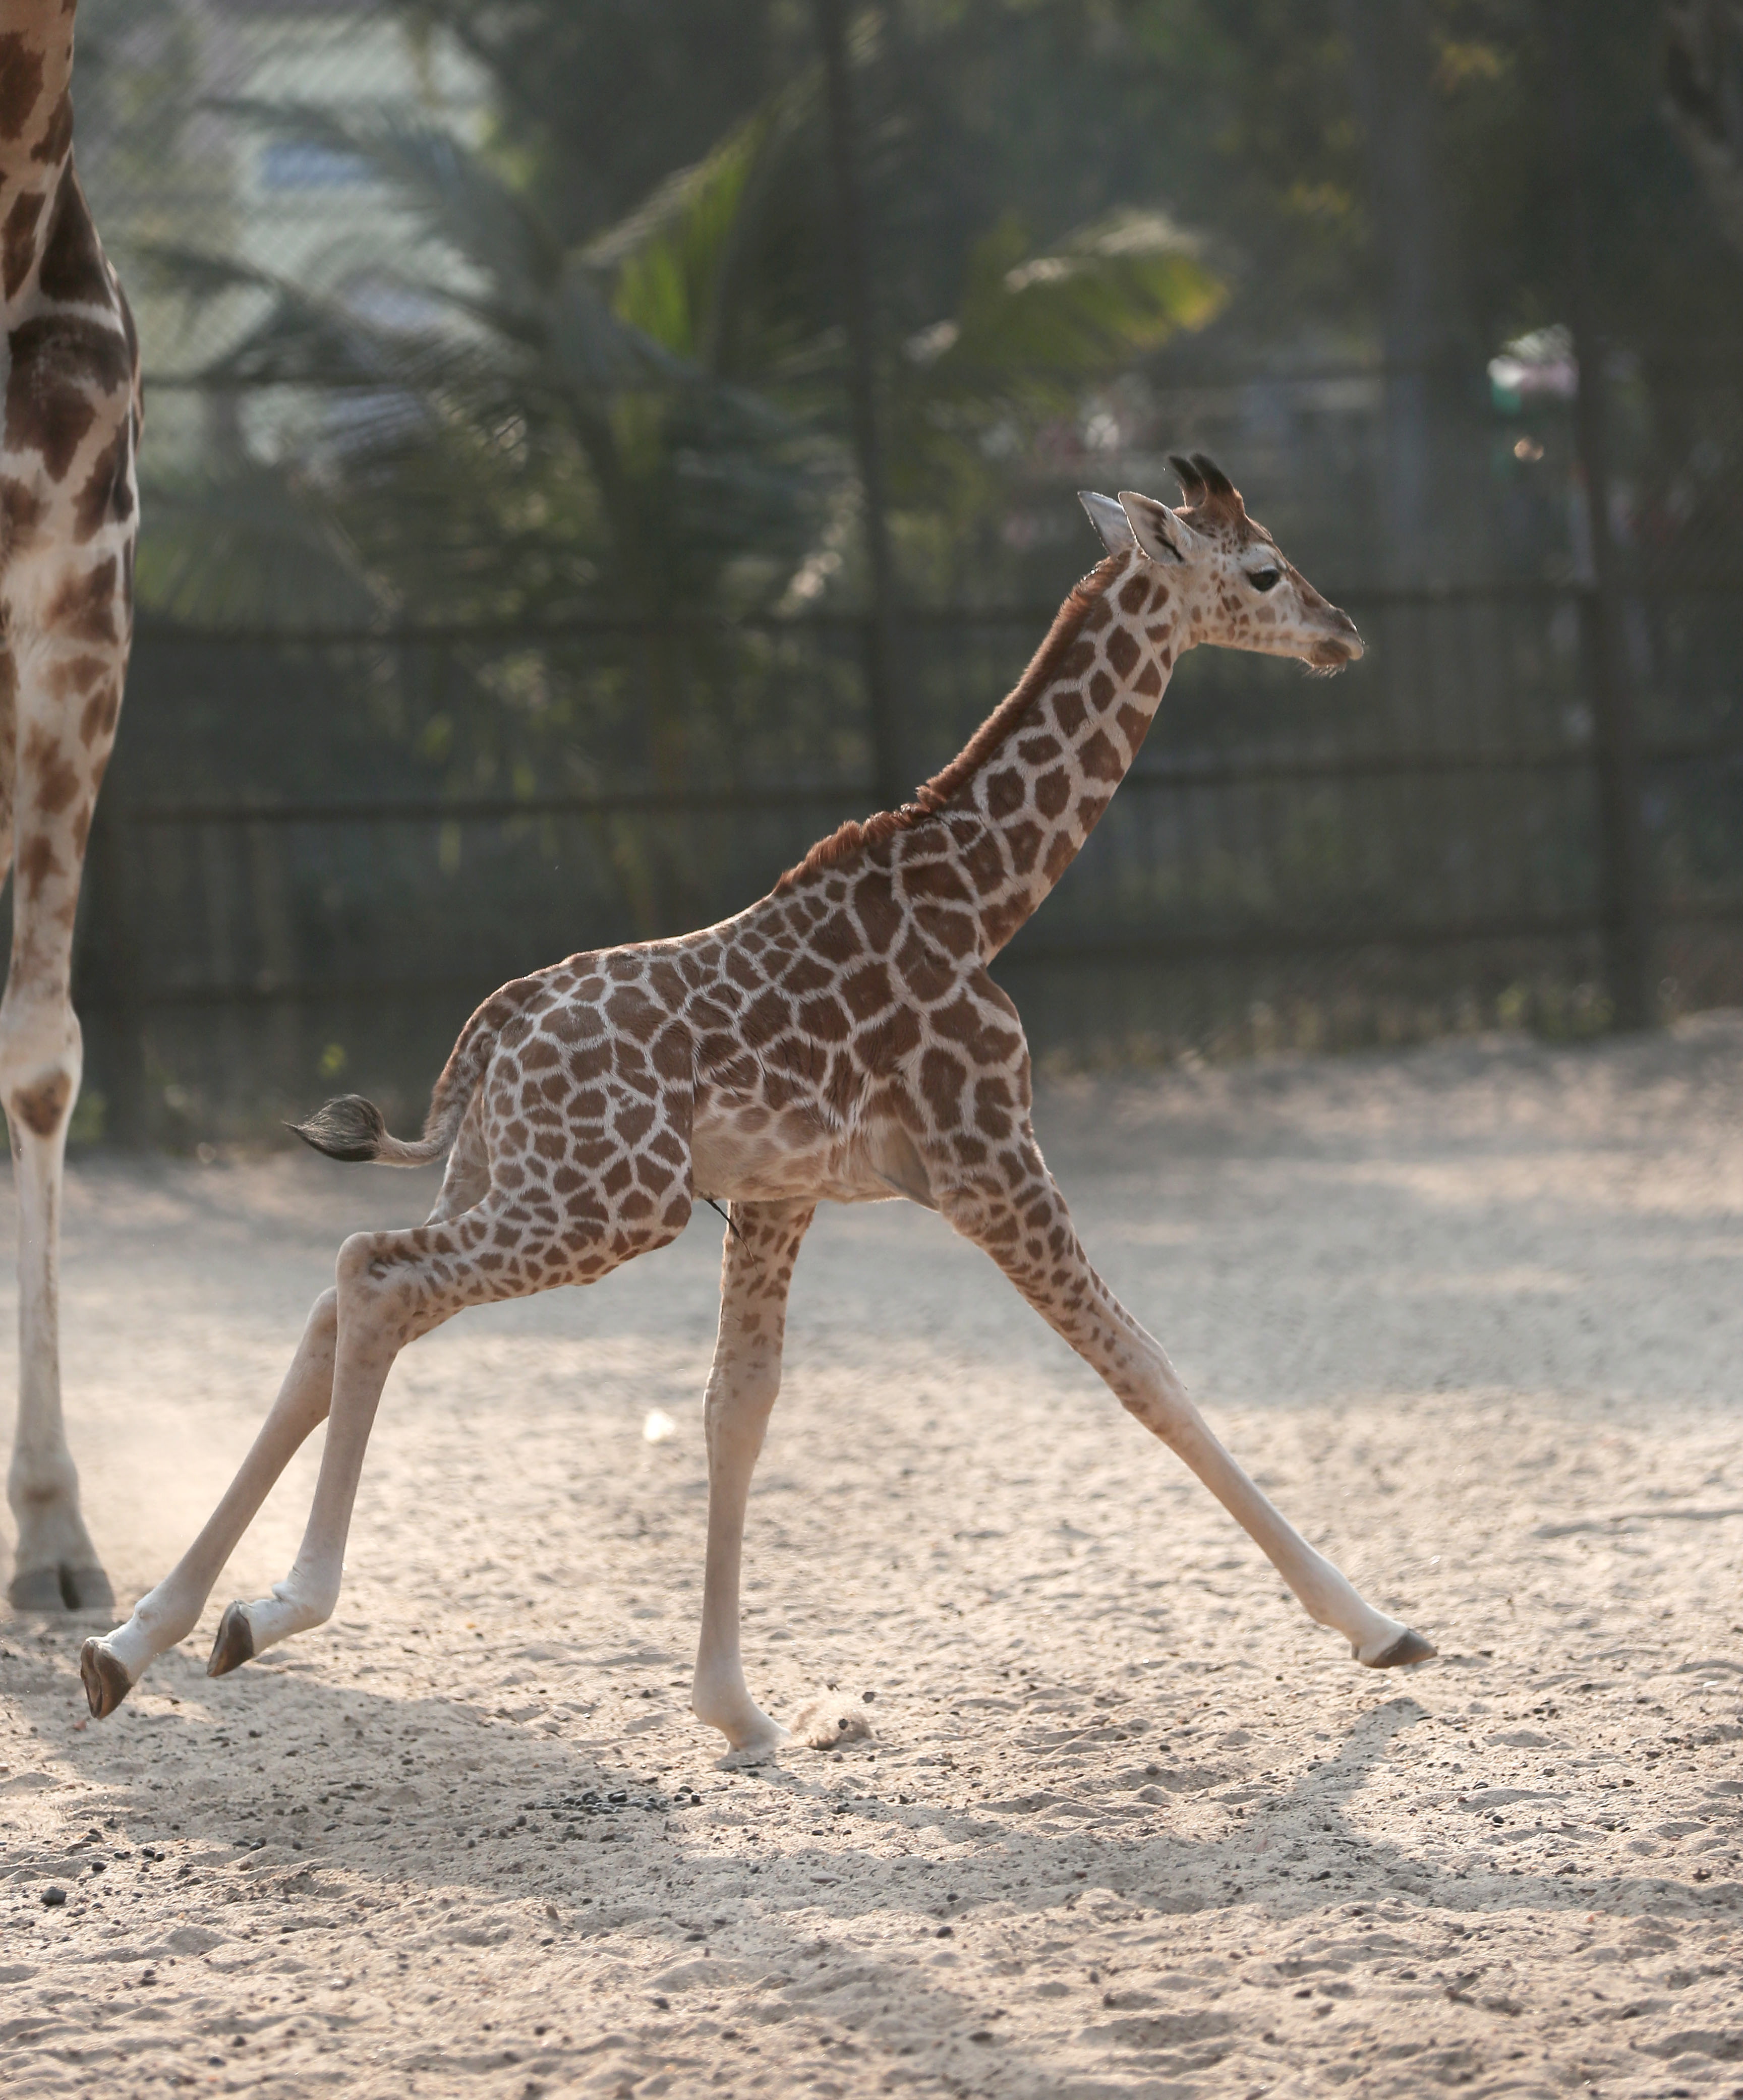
column 562, row 499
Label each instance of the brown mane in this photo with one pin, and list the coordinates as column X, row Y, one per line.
column 936, row 793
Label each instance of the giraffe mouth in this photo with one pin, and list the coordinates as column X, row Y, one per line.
column 1337, row 642
column 1331, row 652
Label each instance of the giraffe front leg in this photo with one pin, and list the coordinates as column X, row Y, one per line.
column 55, row 1565
column 1026, row 1229
column 762, row 1243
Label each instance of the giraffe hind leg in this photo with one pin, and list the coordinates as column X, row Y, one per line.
column 111, row 1666
column 566, row 1214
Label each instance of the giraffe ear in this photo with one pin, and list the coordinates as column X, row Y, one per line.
column 1162, row 533
column 1109, row 520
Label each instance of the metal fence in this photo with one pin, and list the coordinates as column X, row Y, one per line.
column 319, row 846
column 1416, row 846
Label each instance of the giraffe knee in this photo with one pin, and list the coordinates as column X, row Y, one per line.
column 356, row 1255
column 1158, row 1400
column 42, row 1106
column 750, row 1388
column 379, row 1286
column 370, row 1264
column 40, row 1064
column 979, row 1216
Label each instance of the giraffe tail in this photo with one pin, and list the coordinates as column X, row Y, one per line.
column 351, row 1128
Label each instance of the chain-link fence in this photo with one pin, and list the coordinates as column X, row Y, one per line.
column 292, row 879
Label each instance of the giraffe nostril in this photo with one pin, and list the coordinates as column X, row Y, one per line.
column 1343, row 645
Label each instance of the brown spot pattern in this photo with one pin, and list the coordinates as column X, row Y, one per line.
column 72, row 269
column 18, row 241
column 40, row 1108
column 20, row 83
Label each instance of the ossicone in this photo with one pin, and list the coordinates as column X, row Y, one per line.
column 1204, row 484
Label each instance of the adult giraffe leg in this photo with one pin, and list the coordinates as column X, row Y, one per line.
column 112, row 1665
column 762, row 1244
column 69, row 427
column 55, row 773
column 1024, row 1224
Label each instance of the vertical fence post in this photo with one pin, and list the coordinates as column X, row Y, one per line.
column 1624, row 901
column 888, row 741
column 1392, row 65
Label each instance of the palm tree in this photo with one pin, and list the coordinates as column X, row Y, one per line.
column 643, row 425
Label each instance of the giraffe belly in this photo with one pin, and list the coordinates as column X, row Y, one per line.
column 748, row 1155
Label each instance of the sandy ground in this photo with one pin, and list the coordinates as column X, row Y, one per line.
column 1130, row 1824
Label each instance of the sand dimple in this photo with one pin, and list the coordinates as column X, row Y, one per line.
column 1127, row 1824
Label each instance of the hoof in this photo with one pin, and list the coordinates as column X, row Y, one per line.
column 62, row 1589
column 86, row 1588
column 235, row 1643
column 1408, row 1648
column 106, row 1683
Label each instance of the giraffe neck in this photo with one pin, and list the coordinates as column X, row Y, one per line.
column 1045, row 764
column 36, row 107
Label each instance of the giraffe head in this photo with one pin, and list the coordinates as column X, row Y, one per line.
column 1235, row 586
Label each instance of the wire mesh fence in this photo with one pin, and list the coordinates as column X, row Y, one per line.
column 1414, row 847
column 337, row 818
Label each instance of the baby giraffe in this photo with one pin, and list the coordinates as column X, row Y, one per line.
column 840, row 1041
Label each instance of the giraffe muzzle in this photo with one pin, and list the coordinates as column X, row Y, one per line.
column 1333, row 651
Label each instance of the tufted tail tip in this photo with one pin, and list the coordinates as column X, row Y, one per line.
column 349, row 1128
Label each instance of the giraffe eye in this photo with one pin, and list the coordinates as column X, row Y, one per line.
column 1264, row 580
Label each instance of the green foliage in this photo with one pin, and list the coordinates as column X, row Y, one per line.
column 1031, row 333
column 650, row 417
column 608, row 374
